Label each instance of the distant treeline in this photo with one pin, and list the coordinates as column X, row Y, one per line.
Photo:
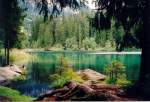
column 73, row 32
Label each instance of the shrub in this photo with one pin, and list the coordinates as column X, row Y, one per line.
column 21, row 77
column 89, row 43
column 56, row 47
column 108, row 44
column 64, row 74
column 116, row 74
column 71, row 43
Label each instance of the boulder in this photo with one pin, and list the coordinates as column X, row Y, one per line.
column 15, row 68
column 91, row 75
column 9, row 72
column 2, row 78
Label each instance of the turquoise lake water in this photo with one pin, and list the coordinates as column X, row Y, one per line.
column 43, row 64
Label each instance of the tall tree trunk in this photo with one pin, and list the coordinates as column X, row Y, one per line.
column 5, row 63
column 145, row 41
column 54, row 33
column 6, row 46
column 90, row 27
column 8, row 53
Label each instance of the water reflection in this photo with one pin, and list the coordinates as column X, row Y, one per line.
column 46, row 63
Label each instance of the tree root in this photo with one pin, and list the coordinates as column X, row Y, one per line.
column 79, row 92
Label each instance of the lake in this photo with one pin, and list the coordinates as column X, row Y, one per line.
column 43, row 64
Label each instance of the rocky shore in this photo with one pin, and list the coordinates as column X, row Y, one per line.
column 8, row 73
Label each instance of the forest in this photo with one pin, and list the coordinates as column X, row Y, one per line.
column 74, row 50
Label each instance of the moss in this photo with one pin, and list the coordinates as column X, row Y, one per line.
column 13, row 94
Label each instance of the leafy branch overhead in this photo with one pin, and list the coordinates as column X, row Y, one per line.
column 55, row 7
column 127, row 13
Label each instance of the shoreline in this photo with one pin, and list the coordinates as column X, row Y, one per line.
column 118, row 53
column 91, row 52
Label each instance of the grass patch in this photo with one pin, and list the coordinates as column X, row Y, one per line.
column 18, row 56
column 13, row 94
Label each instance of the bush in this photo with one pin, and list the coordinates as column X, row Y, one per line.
column 108, row 44
column 89, row 43
column 21, row 77
column 116, row 74
column 71, row 43
column 123, row 82
column 56, row 47
column 64, row 74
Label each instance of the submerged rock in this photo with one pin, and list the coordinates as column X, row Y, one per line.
column 91, row 75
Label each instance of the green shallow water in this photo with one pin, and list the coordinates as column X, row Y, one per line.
column 45, row 63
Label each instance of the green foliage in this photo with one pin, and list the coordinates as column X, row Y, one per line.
column 18, row 55
column 74, row 33
column 68, row 31
column 71, row 43
column 21, row 77
column 89, row 43
column 123, row 82
column 64, row 74
column 1, row 44
column 115, row 69
column 13, row 94
column 116, row 74
column 22, row 39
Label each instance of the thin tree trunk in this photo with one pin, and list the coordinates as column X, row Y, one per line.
column 5, row 56
column 8, row 56
column 54, row 33
column 90, row 27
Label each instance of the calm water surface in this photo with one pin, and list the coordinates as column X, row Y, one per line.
column 43, row 64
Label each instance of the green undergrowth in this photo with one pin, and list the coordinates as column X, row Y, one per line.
column 19, row 56
column 64, row 74
column 16, row 56
column 13, row 95
column 116, row 74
